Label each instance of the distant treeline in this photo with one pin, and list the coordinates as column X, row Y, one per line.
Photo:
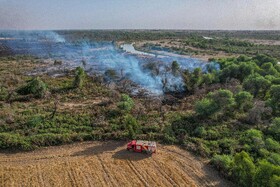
column 111, row 35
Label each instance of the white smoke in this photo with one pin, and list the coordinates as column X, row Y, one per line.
column 103, row 56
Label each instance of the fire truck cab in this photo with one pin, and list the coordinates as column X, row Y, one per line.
column 142, row 146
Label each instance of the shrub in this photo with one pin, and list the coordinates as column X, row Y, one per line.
column 79, row 78
column 34, row 121
column 274, row 92
column 212, row 134
column 274, row 102
column 274, row 181
column 261, row 59
column 272, row 145
column 223, row 98
column 193, row 79
column 14, row 141
column 208, row 78
column 131, row 126
column 175, row 68
column 265, row 172
column 126, row 103
column 274, row 158
column 253, row 138
column 3, row 93
column 268, row 69
column 243, row 169
column 214, row 102
column 206, row 107
column 169, row 135
column 223, row 163
column 35, row 86
column 227, row 146
column 274, row 129
column 200, row 132
column 50, row 139
column 231, row 71
column 244, row 100
column 256, row 85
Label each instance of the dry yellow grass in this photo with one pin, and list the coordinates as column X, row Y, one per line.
column 105, row 164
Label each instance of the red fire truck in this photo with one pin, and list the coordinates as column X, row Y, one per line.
column 142, row 146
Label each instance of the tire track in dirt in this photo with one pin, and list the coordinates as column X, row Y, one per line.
column 70, row 174
column 197, row 175
column 107, row 173
column 40, row 176
column 192, row 172
column 147, row 174
column 92, row 168
column 121, row 178
column 87, row 175
column 105, row 164
column 164, row 174
column 140, row 177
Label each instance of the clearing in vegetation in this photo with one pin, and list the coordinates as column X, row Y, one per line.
column 105, row 164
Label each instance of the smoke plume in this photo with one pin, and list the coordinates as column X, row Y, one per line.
column 151, row 72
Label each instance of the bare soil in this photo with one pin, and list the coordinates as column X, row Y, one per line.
column 106, row 164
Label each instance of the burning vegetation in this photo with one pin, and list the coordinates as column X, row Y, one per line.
column 227, row 111
column 155, row 75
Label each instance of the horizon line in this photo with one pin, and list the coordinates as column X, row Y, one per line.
column 139, row 29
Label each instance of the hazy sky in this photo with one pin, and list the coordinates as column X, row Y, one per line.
column 140, row 14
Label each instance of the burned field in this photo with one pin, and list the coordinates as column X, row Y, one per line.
column 154, row 74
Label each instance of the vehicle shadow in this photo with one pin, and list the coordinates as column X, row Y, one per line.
column 130, row 155
column 99, row 149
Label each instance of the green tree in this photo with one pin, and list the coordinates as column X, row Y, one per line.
column 265, row 173
column 193, row 79
column 272, row 145
column 277, row 67
column 126, row 103
column 243, row 58
column 253, row 140
column 261, row 59
column 256, row 85
column 231, row 71
column 175, row 68
column 223, row 98
column 244, row 100
column 200, row 132
column 274, row 101
column 206, row 107
column 274, row 129
column 223, row 163
column 35, row 86
column 208, row 78
column 79, row 78
column 131, row 126
column 268, row 69
column 274, row 158
column 214, row 102
column 246, row 69
column 274, row 181
column 243, row 169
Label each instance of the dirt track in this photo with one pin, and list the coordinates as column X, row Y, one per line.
column 105, row 164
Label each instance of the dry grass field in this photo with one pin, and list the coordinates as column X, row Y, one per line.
column 105, row 164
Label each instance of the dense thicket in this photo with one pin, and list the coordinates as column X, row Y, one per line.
column 239, row 126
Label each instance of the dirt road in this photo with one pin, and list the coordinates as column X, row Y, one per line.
column 105, row 164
